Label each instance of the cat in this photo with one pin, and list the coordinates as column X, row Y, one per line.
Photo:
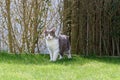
column 57, row 45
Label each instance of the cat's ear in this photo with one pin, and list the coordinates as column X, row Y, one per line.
column 53, row 29
column 45, row 31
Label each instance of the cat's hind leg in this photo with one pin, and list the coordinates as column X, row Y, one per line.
column 69, row 54
column 60, row 56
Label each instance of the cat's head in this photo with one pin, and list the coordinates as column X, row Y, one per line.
column 50, row 34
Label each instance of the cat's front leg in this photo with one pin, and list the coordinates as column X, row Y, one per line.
column 51, row 55
column 55, row 55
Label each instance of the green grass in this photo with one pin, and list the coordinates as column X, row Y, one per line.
column 38, row 67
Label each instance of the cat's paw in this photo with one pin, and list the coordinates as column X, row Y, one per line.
column 60, row 57
column 50, row 60
column 53, row 60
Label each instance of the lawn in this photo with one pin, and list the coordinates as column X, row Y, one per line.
column 38, row 67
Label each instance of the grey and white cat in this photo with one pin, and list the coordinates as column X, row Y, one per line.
column 57, row 45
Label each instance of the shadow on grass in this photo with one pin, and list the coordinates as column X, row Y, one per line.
column 43, row 59
column 23, row 58
column 38, row 59
column 108, row 60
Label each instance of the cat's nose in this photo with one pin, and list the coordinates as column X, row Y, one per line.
column 48, row 37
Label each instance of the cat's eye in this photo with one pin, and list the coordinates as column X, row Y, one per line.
column 51, row 33
column 46, row 33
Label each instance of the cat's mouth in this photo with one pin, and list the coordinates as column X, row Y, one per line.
column 49, row 38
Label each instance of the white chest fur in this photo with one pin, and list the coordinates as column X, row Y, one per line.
column 52, row 44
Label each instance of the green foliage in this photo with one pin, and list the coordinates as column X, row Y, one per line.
column 38, row 67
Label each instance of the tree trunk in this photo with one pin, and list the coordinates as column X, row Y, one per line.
column 35, row 23
column 9, row 26
column 74, row 27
